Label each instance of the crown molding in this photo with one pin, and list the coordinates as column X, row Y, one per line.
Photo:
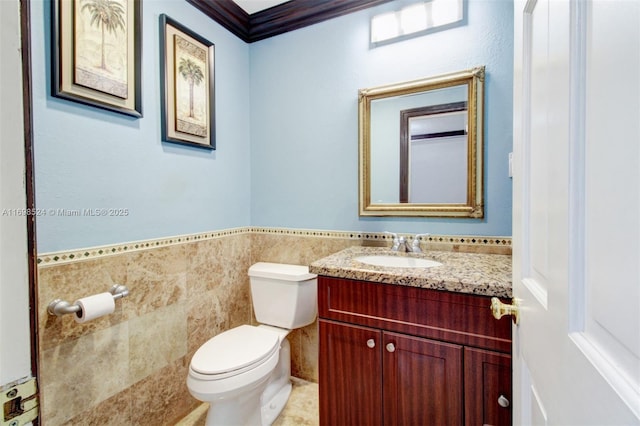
column 228, row 14
column 280, row 19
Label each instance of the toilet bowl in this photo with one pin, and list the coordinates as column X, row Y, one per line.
column 244, row 373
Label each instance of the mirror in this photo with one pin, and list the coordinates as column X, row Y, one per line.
column 421, row 147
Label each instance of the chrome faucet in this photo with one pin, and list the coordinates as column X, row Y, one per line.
column 415, row 245
column 397, row 241
column 401, row 244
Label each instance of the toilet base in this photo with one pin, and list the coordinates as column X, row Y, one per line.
column 239, row 410
column 272, row 409
column 277, row 393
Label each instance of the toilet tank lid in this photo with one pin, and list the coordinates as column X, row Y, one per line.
column 281, row 271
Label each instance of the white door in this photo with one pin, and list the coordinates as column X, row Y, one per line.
column 577, row 212
column 15, row 353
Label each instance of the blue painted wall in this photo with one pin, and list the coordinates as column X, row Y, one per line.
column 304, row 135
column 90, row 158
column 286, row 132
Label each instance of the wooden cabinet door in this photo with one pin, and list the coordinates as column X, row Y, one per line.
column 350, row 375
column 422, row 381
column 488, row 396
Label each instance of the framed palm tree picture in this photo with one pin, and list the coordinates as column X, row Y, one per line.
column 96, row 48
column 187, row 86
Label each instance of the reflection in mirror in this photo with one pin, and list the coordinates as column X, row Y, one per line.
column 421, row 147
column 433, row 139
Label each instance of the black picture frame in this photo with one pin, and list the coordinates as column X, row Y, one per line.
column 75, row 77
column 181, row 89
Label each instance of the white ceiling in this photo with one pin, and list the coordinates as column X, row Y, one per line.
column 253, row 6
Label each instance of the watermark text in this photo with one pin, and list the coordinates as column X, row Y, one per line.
column 61, row 212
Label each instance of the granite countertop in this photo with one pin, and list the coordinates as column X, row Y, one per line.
column 481, row 274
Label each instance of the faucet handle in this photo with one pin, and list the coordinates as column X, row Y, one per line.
column 396, row 240
column 415, row 246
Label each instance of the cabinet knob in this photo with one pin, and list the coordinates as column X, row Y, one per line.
column 503, row 401
column 391, row 347
column 371, row 343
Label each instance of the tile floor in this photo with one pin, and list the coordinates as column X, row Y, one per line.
column 301, row 409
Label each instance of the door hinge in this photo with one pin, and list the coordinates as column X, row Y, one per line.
column 19, row 403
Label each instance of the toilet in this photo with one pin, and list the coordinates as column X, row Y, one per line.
column 244, row 373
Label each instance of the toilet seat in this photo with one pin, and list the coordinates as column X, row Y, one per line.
column 235, row 351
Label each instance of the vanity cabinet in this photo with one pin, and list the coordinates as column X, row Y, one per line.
column 397, row 355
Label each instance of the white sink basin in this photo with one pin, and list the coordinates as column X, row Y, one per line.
column 397, row 261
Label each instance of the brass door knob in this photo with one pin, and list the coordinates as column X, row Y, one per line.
column 500, row 309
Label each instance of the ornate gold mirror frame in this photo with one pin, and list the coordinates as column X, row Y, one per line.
column 472, row 207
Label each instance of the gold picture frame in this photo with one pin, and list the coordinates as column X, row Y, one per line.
column 96, row 53
column 187, row 86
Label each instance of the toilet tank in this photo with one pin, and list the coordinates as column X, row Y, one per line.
column 283, row 295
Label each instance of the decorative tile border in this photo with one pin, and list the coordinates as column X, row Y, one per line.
column 68, row 256
column 470, row 240
column 381, row 236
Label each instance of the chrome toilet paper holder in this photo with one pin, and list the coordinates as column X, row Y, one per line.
column 59, row 307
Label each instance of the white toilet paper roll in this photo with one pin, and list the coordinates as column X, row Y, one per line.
column 95, row 306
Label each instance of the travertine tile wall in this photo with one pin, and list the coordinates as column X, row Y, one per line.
column 131, row 367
